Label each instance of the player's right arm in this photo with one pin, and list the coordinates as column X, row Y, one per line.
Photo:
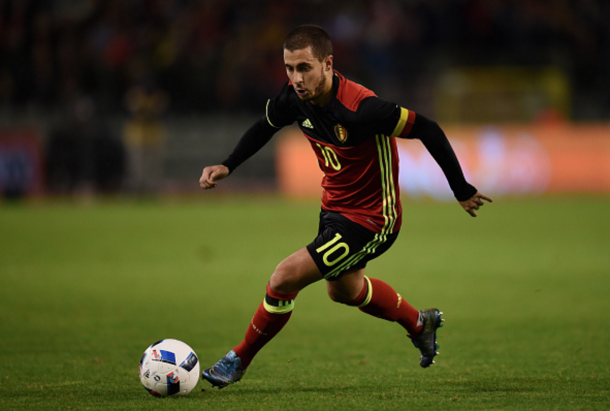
column 253, row 140
column 211, row 175
column 278, row 114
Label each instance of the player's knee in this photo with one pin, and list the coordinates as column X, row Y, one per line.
column 295, row 273
column 339, row 296
column 278, row 281
column 285, row 278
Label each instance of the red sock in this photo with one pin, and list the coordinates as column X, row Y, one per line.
column 384, row 302
column 270, row 317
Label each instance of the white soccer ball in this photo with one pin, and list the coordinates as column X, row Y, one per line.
column 169, row 367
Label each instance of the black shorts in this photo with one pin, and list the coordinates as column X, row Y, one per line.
column 343, row 245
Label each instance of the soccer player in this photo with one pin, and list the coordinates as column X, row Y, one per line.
column 352, row 132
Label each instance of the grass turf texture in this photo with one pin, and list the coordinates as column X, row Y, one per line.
column 524, row 288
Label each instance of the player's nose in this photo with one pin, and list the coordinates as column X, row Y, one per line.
column 298, row 78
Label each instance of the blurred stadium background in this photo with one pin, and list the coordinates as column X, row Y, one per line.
column 130, row 99
column 136, row 96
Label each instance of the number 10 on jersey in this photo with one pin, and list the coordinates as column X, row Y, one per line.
column 330, row 157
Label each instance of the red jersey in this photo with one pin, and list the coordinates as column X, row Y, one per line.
column 353, row 138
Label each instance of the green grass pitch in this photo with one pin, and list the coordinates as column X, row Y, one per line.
column 84, row 289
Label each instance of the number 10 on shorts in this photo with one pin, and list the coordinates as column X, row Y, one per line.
column 335, row 247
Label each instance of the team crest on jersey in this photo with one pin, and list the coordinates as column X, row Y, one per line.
column 341, row 133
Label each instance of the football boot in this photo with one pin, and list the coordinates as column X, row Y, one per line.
column 225, row 372
column 425, row 341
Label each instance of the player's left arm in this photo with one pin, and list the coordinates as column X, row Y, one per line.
column 411, row 125
column 393, row 120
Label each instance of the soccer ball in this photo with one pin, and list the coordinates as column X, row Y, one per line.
column 169, row 367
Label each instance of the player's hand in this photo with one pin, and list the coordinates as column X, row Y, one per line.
column 474, row 203
column 211, row 175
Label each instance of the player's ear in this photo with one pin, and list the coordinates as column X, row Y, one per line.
column 328, row 63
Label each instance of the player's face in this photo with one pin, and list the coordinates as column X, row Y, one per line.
column 310, row 77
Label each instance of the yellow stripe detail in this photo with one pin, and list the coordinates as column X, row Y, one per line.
column 380, row 150
column 267, row 115
column 390, row 213
column 369, row 293
column 384, row 182
column 285, row 308
column 404, row 116
column 391, row 194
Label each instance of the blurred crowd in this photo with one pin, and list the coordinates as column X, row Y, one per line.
column 223, row 55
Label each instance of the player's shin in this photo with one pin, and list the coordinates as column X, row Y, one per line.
column 380, row 300
column 270, row 317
